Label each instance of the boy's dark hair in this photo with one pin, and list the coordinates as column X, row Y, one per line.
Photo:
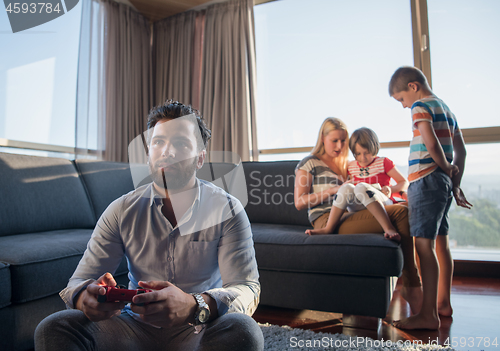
column 366, row 138
column 404, row 75
column 171, row 109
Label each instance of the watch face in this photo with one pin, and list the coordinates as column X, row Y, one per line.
column 204, row 315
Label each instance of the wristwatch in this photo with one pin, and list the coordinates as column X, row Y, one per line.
column 203, row 313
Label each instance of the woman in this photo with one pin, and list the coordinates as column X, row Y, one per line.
column 319, row 176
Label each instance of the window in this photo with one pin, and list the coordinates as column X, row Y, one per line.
column 464, row 48
column 463, row 37
column 38, row 70
column 329, row 58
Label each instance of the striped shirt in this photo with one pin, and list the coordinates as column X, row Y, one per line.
column 434, row 110
column 375, row 172
column 323, row 179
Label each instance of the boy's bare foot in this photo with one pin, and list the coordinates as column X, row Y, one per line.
column 414, row 296
column 445, row 310
column 393, row 236
column 317, row 231
column 418, row 322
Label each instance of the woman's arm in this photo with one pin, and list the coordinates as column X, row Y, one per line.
column 302, row 198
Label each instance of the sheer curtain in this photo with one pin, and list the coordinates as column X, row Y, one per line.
column 203, row 58
column 177, row 47
column 228, row 86
column 207, row 59
column 114, row 79
column 90, row 118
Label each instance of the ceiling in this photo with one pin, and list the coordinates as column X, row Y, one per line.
column 159, row 9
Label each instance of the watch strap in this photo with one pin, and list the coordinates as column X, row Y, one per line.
column 201, row 305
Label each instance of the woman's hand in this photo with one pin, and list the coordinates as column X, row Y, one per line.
column 386, row 190
column 333, row 190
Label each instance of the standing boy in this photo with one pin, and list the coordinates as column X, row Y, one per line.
column 437, row 142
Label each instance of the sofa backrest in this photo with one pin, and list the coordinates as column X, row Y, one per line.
column 270, row 193
column 105, row 181
column 41, row 193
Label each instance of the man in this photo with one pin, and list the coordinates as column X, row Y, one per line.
column 185, row 239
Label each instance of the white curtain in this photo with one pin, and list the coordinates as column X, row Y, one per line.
column 90, row 117
column 229, row 78
column 203, row 58
column 114, row 79
column 177, row 50
column 207, row 59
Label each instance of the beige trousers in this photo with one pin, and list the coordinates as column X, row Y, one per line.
column 364, row 222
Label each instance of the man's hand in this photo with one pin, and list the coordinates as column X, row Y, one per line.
column 460, row 198
column 94, row 310
column 167, row 306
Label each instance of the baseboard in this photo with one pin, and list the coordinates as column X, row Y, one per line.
column 478, row 269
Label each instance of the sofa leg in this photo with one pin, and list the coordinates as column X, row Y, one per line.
column 361, row 322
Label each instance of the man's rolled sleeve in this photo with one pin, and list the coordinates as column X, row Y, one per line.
column 103, row 254
column 238, row 268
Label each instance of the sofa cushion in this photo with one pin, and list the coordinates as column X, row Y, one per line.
column 105, row 182
column 287, row 248
column 5, row 286
column 42, row 263
column 270, row 193
column 41, row 194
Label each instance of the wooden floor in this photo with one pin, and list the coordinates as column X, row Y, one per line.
column 476, row 317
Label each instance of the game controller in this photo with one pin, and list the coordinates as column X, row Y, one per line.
column 120, row 293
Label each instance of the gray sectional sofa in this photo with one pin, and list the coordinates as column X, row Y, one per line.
column 49, row 207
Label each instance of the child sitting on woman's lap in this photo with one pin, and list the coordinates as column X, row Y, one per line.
column 369, row 185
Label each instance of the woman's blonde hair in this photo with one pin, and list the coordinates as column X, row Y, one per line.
column 329, row 124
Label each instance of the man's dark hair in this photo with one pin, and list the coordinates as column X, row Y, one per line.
column 171, row 109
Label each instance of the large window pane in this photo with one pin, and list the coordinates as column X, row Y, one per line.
column 475, row 233
column 38, row 69
column 464, row 43
column 329, row 58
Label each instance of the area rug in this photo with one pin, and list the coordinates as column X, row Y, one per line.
column 285, row 338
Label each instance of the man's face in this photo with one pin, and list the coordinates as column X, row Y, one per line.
column 173, row 153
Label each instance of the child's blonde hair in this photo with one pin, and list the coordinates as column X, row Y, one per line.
column 404, row 75
column 329, row 124
column 366, row 138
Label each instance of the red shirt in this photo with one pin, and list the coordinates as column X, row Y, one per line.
column 375, row 172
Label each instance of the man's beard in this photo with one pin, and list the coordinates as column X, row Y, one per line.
column 177, row 177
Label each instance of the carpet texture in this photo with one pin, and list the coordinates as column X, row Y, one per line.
column 289, row 339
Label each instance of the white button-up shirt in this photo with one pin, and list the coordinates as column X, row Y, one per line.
column 209, row 251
